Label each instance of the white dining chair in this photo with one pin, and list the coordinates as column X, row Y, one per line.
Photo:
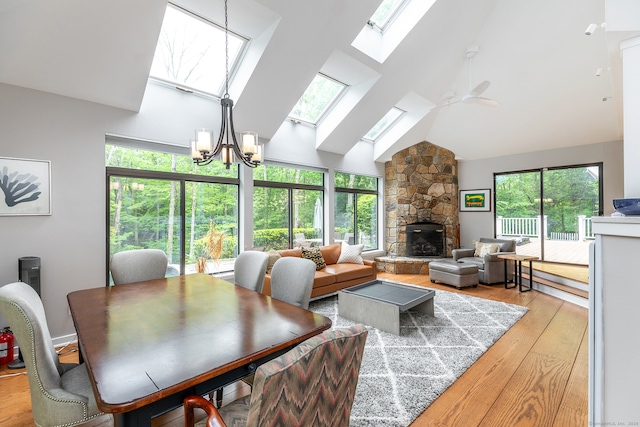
column 61, row 393
column 138, row 265
column 292, row 280
column 249, row 269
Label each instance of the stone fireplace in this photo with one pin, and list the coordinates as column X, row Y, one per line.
column 421, row 186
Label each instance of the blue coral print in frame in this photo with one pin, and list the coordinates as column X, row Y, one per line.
column 25, row 187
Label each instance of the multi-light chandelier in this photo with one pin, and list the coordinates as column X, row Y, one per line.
column 227, row 149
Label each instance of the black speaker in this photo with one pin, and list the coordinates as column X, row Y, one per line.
column 29, row 271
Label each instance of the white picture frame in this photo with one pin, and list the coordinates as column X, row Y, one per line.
column 25, row 187
column 475, row 200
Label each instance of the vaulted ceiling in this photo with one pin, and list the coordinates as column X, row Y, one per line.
column 536, row 55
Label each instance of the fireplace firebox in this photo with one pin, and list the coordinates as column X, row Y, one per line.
column 426, row 239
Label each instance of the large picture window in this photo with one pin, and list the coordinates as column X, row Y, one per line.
column 548, row 211
column 162, row 201
column 287, row 207
column 356, row 209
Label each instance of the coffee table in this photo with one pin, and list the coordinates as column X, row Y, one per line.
column 379, row 303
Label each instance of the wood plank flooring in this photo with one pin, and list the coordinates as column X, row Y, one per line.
column 534, row 375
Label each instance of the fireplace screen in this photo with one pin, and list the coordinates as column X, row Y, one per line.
column 425, row 240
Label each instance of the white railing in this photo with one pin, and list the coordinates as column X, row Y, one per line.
column 585, row 228
column 529, row 227
column 532, row 227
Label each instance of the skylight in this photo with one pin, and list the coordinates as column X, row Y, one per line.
column 191, row 50
column 317, row 99
column 385, row 13
column 384, row 124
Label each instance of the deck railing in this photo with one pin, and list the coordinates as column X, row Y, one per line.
column 532, row 227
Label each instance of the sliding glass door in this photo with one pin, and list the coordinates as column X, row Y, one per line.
column 548, row 211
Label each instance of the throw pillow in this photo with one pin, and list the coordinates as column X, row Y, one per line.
column 350, row 254
column 489, row 248
column 273, row 257
column 314, row 255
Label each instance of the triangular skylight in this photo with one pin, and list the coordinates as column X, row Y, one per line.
column 398, row 17
column 191, row 50
column 380, row 128
column 385, row 13
column 317, row 99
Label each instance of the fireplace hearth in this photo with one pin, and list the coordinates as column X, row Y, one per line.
column 426, row 239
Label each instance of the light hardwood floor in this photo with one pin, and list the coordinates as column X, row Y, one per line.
column 534, row 375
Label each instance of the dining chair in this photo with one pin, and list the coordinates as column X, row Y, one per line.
column 313, row 384
column 61, row 393
column 292, row 280
column 249, row 269
column 138, row 265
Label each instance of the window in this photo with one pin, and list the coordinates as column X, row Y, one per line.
column 384, row 125
column 385, row 13
column 163, row 201
column 189, row 52
column 317, row 100
column 287, row 207
column 548, row 211
column 356, row 209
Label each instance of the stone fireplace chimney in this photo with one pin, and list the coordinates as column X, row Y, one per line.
column 421, row 186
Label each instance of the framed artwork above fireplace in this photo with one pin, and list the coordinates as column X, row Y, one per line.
column 475, row 200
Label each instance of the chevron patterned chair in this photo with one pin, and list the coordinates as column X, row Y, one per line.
column 311, row 385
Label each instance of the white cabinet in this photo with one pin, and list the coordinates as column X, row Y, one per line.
column 614, row 321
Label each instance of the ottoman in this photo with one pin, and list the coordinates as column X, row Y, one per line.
column 458, row 274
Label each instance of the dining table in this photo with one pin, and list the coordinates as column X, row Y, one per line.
column 148, row 345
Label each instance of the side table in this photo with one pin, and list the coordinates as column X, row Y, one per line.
column 517, row 261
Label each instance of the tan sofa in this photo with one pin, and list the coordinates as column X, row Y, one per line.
column 333, row 277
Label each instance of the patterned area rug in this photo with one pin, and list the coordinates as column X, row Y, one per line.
column 402, row 375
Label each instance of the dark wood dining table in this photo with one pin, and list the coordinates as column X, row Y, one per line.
column 148, row 345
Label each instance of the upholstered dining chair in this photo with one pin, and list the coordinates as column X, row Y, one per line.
column 292, row 280
column 249, row 269
column 313, row 384
column 61, row 393
column 137, row 265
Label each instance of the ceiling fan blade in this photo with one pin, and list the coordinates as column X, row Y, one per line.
column 487, row 102
column 477, row 91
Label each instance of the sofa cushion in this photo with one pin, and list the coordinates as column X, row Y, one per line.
column 314, row 255
column 291, row 252
column 350, row 254
column 331, row 253
column 344, row 272
column 273, row 257
column 473, row 260
column 322, row 278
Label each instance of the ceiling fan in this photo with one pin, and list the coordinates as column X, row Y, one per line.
column 473, row 96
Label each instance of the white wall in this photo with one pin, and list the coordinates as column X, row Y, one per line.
column 71, row 241
column 478, row 174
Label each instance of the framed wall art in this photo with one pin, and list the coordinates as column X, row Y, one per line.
column 25, row 186
column 475, row 200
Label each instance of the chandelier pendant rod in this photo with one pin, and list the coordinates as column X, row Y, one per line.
column 227, row 145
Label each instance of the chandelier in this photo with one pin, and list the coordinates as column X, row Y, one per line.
column 227, row 149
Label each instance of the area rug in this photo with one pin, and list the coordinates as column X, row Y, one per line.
column 402, row 375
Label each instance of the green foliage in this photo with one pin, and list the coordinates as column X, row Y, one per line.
column 568, row 192
column 145, row 212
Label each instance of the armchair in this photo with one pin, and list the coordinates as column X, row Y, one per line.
column 485, row 256
column 313, row 384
